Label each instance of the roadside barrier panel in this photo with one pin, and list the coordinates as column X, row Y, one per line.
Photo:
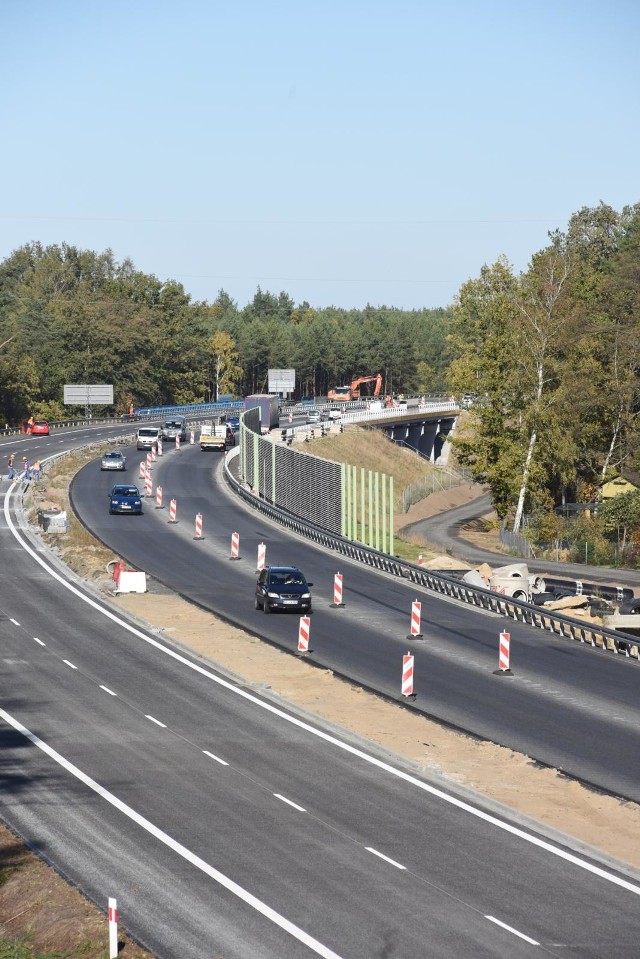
column 198, row 529
column 416, row 609
column 304, row 630
column 235, row 546
column 407, row 676
column 262, row 557
column 159, row 498
column 131, row 581
column 337, row 591
column 173, row 509
column 504, row 656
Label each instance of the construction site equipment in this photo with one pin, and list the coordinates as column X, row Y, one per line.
column 352, row 392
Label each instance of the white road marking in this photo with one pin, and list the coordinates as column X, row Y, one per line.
column 39, row 641
column 14, row 621
column 289, row 927
column 107, row 690
column 375, row 852
column 67, row 663
column 289, row 802
column 528, row 939
column 156, row 721
column 319, row 733
column 217, row 758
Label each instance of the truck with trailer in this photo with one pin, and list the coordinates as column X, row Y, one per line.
column 269, row 406
column 213, row 436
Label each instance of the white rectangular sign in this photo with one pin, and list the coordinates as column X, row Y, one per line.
column 282, row 381
column 82, row 394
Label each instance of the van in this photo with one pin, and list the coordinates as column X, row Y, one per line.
column 147, row 438
column 174, row 426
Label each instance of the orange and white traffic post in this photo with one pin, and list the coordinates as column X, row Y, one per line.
column 504, row 656
column 407, row 676
column 173, row 509
column 416, row 609
column 235, row 546
column 304, row 630
column 198, row 530
column 159, row 498
column 113, row 928
column 262, row 557
column 337, row 591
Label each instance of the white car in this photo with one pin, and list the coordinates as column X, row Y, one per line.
column 335, row 413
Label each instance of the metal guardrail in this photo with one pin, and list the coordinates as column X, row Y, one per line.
column 438, row 582
column 77, row 421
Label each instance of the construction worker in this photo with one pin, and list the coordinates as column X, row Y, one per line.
column 11, row 466
column 29, row 424
column 36, row 470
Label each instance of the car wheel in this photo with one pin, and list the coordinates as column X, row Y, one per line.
column 266, row 608
column 256, row 604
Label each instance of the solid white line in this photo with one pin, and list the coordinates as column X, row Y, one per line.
column 289, row 803
column 320, row 734
column 156, row 721
column 39, row 641
column 375, row 852
column 67, row 663
column 177, row 847
column 14, row 621
column 511, row 929
column 217, row 758
column 107, row 690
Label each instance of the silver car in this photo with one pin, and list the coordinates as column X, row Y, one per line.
column 113, row 460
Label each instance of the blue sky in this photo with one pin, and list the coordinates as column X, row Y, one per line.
column 347, row 153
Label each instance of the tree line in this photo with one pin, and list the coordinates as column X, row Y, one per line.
column 76, row 316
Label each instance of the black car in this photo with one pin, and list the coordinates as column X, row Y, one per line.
column 283, row 587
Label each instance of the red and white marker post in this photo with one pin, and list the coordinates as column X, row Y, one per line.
column 235, row 546
column 159, row 447
column 113, row 929
column 153, row 454
column 148, row 484
column 262, row 557
column 303, row 634
column 503, row 656
column 143, row 470
column 337, row 591
column 192, row 438
column 420, row 559
column 149, row 461
column 416, row 608
column 198, row 530
column 407, row 676
column 159, row 498
column 173, row 509
column 178, row 442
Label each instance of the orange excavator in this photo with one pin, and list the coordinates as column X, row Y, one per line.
column 352, row 392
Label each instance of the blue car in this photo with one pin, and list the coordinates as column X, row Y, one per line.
column 125, row 499
column 234, row 423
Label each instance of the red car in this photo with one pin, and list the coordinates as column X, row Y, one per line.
column 40, row 428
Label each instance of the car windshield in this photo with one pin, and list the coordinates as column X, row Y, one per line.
column 112, row 456
column 128, row 491
column 287, row 579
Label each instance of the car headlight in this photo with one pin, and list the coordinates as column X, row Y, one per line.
column 306, row 596
column 273, row 595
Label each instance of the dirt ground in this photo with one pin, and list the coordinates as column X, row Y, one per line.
column 605, row 823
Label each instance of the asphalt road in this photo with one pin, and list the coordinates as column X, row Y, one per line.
column 565, row 705
column 228, row 825
column 444, row 532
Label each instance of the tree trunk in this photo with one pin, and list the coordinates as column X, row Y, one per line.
column 517, row 522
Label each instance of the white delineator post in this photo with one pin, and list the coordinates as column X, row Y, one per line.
column 303, row 634
column 337, row 591
column 113, row 929
column 159, row 498
column 173, row 509
column 416, row 608
column 235, row 546
column 192, row 438
column 407, row 675
column 198, row 532
column 262, row 556
column 503, row 656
